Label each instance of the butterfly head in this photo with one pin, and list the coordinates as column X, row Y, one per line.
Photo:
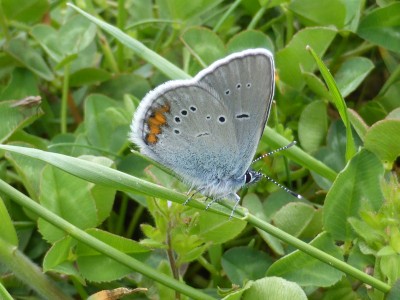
column 251, row 176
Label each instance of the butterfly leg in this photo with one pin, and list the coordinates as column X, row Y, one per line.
column 234, row 197
column 237, row 201
column 190, row 190
column 213, row 201
column 191, row 196
column 205, row 200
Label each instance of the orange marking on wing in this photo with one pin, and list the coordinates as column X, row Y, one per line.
column 164, row 109
column 160, row 118
column 155, row 121
column 154, row 129
column 151, row 138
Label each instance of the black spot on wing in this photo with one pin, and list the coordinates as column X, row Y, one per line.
column 202, row 134
column 242, row 116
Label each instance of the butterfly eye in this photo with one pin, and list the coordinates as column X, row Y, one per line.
column 247, row 177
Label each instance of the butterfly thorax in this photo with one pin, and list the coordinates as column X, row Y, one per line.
column 226, row 187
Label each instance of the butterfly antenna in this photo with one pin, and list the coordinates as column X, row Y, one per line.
column 275, row 151
column 298, row 196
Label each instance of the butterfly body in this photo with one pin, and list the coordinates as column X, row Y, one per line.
column 207, row 129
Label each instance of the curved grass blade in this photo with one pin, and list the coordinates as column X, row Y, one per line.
column 339, row 102
column 169, row 69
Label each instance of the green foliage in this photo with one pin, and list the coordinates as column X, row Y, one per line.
column 299, row 267
column 94, row 215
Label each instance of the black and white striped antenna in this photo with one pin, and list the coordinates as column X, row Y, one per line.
column 298, row 196
column 275, row 151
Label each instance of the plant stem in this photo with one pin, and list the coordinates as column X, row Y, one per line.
column 4, row 294
column 256, row 18
column 3, row 24
column 134, row 221
column 226, row 15
column 171, row 258
column 121, row 215
column 108, row 55
column 121, row 17
column 64, row 100
column 28, row 272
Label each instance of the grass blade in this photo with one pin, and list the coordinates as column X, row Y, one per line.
column 339, row 102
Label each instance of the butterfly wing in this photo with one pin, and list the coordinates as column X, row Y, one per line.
column 178, row 125
column 245, row 82
column 207, row 129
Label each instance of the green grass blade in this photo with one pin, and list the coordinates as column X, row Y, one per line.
column 169, row 69
column 4, row 294
column 339, row 103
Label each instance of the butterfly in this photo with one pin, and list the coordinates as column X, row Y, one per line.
column 207, row 129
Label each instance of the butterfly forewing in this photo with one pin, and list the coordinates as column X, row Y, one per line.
column 246, row 84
